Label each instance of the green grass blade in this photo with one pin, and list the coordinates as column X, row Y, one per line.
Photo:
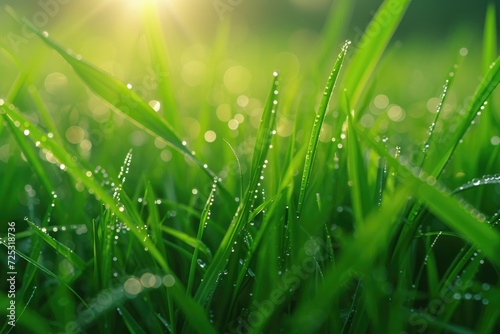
column 318, row 123
column 159, row 60
column 371, row 47
column 490, row 36
column 360, row 195
column 264, row 137
column 63, row 250
column 483, row 92
column 201, row 227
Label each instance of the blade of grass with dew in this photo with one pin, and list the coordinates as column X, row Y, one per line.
column 274, row 205
column 159, row 60
column 153, row 219
column 48, row 272
column 432, row 128
column 318, row 123
column 442, row 204
column 263, row 141
column 371, row 47
column 119, row 96
column 201, row 227
column 76, row 169
column 63, row 250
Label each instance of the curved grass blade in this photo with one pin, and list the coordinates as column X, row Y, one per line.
column 318, row 123
column 80, row 172
column 264, row 137
column 60, row 248
column 117, row 95
column 371, row 47
column 22, row 142
column 201, row 228
column 427, row 144
column 483, row 92
column 485, row 180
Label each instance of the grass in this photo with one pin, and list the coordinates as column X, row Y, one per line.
column 352, row 222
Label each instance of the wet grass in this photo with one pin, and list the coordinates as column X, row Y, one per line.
column 304, row 210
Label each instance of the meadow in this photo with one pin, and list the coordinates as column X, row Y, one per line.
column 178, row 167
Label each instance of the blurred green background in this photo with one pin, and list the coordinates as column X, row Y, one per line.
column 221, row 56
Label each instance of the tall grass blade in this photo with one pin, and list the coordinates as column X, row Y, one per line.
column 371, row 47
column 318, row 123
column 490, row 36
column 159, row 60
column 483, row 92
column 264, row 137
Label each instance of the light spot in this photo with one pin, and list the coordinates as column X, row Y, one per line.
column 192, row 126
column 223, row 112
column 237, row 79
column 396, row 113
column 367, row 121
column 381, row 101
column 86, row 145
column 160, row 143
column 495, row 140
column 168, row 281
column 54, row 82
column 149, row 280
column 26, row 132
column 193, row 73
column 166, row 155
column 75, row 134
column 138, row 138
column 210, row 136
column 239, row 118
column 242, row 100
column 132, row 286
column 464, row 52
column 233, row 124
